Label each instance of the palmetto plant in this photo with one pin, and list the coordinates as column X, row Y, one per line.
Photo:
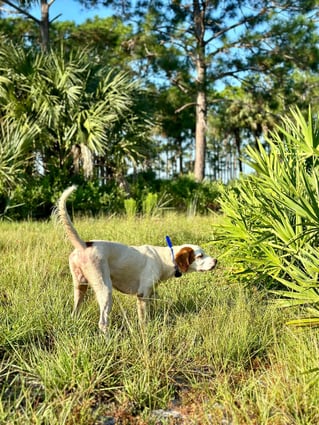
column 272, row 225
column 74, row 100
column 16, row 140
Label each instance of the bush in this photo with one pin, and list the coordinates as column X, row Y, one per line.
column 184, row 192
column 36, row 198
column 189, row 195
column 272, row 227
column 130, row 207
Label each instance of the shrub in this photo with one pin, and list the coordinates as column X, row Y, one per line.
column 130, row 207
column 187, row 194
column 272, row 227
column 36, row 197
column 149, row 203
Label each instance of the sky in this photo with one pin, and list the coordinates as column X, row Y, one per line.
column 71, row 10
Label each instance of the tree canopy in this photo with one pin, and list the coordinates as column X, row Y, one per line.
column 211, row 77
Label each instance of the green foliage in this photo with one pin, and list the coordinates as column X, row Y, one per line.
column 186, row 191
column 130, row 207
column 74, row 100
column 104, row 36
column 179, row 193
column 15, row 151
column 35, row 197
column 149, row 203
column 272, row 223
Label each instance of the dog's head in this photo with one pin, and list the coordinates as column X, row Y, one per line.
column 191, row 258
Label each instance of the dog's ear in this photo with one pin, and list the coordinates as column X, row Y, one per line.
column 184, row 258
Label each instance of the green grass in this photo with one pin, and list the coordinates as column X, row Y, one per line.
column 212, row 350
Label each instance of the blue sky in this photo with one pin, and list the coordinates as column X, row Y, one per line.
column 71, row 10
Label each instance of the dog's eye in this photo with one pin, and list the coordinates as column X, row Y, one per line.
column 199, row 255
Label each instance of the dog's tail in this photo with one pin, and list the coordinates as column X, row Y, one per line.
column 64, row 217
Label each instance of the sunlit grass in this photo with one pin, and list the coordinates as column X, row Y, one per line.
column 212, row 350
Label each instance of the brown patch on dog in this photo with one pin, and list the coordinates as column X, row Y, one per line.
column 184, row 258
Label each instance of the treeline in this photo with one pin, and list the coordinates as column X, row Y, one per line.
column 144, row 195
column 167, row 90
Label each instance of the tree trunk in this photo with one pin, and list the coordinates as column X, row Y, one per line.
column 201, row 96
column 44, row 25
column 200, row 136
column 180, row 155
column 238, row 147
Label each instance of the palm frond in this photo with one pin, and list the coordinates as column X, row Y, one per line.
column 15, row 143
column 273, row 215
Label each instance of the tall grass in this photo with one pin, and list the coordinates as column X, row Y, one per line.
column 212, row 351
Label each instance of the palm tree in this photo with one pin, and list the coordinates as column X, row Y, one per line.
column 76, row 103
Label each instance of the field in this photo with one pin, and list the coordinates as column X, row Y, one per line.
column 213, row 351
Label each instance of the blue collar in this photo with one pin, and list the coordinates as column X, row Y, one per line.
column 170, row 245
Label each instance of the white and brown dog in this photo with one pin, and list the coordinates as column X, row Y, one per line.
column 132, row 270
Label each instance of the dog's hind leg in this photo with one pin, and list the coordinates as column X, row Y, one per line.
column 79, row 292
column 80, row 286
column 100, row 281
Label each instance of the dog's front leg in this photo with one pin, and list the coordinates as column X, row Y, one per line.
column 145, row 292
column 141, row 309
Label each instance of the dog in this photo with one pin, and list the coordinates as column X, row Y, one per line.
column 134, row 270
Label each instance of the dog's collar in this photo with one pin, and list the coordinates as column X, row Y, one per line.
column 170, row 245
